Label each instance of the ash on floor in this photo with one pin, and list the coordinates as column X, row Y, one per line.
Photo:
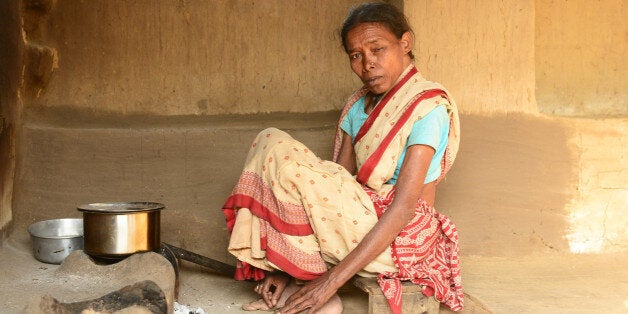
column 186, row 309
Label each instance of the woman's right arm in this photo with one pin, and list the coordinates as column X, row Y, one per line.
column 346, row 157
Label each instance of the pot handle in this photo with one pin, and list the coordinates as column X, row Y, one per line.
column 212, row 264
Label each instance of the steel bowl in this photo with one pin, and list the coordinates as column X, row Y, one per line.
column 53, row 240
column 118, row 229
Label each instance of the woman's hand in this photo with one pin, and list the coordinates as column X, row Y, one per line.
column 272, row 288
column 312, row 296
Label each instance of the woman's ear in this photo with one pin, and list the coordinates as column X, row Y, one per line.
column 407, row 42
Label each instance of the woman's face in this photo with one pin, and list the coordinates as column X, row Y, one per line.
column 377, row 56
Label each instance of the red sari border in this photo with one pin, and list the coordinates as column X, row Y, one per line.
column 371, row 118
column 367, row 168
column 258, row 209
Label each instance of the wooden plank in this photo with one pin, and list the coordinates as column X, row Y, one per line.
column 413, row 300
column 370, row 285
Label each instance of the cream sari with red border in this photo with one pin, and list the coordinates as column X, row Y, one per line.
column 294, row 212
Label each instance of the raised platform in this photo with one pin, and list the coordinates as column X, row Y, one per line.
column 526, row 193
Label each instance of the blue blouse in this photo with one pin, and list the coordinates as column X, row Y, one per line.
column 431, row 130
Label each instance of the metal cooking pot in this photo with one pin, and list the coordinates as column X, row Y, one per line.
column 53, row 240
column 119, row 229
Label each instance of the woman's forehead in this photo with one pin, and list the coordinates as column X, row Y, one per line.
column 365, row 33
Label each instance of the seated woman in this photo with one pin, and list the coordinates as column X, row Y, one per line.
column 370, row 211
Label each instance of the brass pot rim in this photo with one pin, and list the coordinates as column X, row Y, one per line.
column 120, row 207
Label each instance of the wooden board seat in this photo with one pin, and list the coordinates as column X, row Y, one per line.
column 413, row 300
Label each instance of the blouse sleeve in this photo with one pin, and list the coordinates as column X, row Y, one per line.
column 354, row 119
column 346, row 125
column 429, row 130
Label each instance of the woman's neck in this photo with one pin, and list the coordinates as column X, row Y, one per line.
column 371, row 102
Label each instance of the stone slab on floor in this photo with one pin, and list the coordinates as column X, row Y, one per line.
column 24, row 280
column 139, row 298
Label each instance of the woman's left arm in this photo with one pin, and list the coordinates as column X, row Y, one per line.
column 316, row 293
column 346, row 157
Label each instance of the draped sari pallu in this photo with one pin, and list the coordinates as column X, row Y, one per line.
column 292, row 211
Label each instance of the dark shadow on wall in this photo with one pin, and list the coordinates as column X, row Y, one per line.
column 10, row 67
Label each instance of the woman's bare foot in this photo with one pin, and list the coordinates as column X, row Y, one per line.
column 260, row 305
column 333, row 306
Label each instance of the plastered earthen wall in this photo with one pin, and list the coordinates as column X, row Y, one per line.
column 10, row 104
column 201, row 59
column 165, row 58
column 196, row 57
column 482, row 51
column 581, row 49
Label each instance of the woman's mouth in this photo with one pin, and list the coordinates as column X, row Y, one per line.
column 373, row 80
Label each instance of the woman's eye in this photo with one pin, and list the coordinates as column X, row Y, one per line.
column 378, row 49
column 355, row 56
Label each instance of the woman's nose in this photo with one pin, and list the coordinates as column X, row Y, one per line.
column 368, row 63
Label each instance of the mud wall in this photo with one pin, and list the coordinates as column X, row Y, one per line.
column 196, row 57
column 207, row 58
column 483, row 52
column 202, row 59
column 10, row 67
column 581, row 48
column 170, row 58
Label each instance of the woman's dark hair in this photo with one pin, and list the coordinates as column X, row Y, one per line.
column 383, row 13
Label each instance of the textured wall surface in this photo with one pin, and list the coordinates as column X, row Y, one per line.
column 123, row 101
column 581, row 53
column 190, row 169
column 196, row 57
column 482, row 51
column 10, row 67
